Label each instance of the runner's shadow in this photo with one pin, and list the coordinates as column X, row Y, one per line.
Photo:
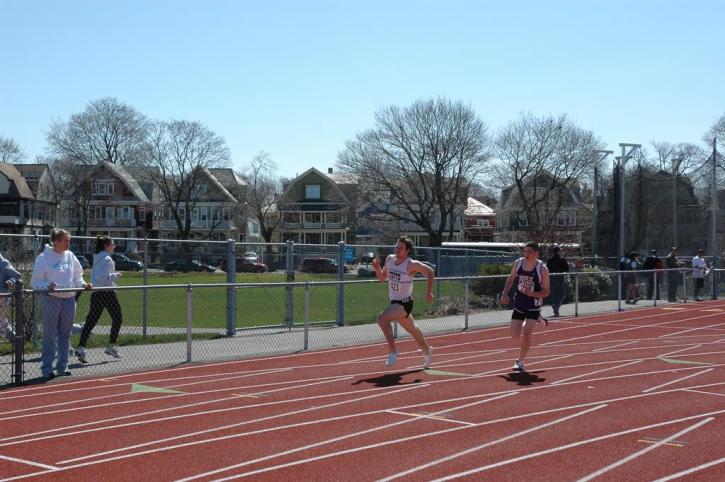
column 523, row 378
column 390, row 379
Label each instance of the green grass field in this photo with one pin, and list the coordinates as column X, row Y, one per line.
column 255, row 307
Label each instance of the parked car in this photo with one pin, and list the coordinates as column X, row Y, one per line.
column 319, row 265
column 124, row 263
column 367, row 258
column 85, row 264
column 187, row 265
column 244, row 265
column 251, row 255
column 366, row 272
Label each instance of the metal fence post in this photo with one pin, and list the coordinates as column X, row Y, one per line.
column 290, row 269
column 19, row 339
column 656, row 288
column 465, row 304
column 145, row 320
column 189, row 323
column 684, row 286
column 619, row 291
column 439, row 269
column 340, row 284
column 713, row 269
column 576, row 294
column 307, row 316
column 231, row 266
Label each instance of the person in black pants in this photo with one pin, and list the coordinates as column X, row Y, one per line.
column 103, row 274
column 673, row 277
column 557, row 264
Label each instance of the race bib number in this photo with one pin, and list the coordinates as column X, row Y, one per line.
column 394, row 281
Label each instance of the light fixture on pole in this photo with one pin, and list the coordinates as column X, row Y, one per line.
column 627, row 151
column 598, row 157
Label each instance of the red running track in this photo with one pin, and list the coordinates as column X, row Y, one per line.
column 637, row 395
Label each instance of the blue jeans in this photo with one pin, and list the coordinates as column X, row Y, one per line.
column 58, row 317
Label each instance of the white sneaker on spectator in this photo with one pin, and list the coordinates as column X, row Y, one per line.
column 113, row 351
column 392, row 358
column 81, row 354
column 427, row 357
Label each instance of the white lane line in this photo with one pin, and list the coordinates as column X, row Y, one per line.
column 639, row 453
column 703, row 392
column 615, row 346
column 66, row 431
column 431, row 417
column 598, row 371
column 287, row 452
column 679, row 351
column 691, row 470
column 678, row 380
column 576, row 444
column 50, row 468
column 478, row 447
column 655, row 325
column 691, row 330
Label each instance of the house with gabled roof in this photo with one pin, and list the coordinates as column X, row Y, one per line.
column 114, row 203
column 315, row 209
column 27, row 205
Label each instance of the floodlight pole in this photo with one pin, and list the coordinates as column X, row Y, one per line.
column 622, row 163
column 598, row 157
column 675, row 169
column 713, row 219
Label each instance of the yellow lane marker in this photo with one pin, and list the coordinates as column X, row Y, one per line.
column 433, row 417
column 652, row 440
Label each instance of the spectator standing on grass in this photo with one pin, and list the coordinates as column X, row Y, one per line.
column 8, row 277
column 699, row 271
column 556, row 264
column 103, row 274
column 531, row 278
column 632, row 282
column 57, row 267
column 653, row 262
column 673, row 277
column 399, row 271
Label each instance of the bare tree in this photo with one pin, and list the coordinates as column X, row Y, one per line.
column 262, row 191
column 73, row 184
column 107, row 130
column 540, row 162
column 419, row 161
column 180, row 153
column 10, row 151
column 717, row 130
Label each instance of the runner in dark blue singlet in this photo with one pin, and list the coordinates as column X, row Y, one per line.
column 532, row 286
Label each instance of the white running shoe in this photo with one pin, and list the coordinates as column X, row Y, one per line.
column 519, row 366
column 113, row 351
column 427, row 357
column 81, row 354
column 392, row 358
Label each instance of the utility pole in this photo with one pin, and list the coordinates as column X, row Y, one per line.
column 713, row 218
column 598, row 157
column 622, row 163
column 675, row 169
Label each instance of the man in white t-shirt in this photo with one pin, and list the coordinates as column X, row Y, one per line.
column 699, row 271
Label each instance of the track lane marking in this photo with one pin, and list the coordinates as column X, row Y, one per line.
column 594, row 372
column 575, row 444
column 678, row 380
column 691, row 470
column 51, row 468
column 639, row 453
column 432, row 417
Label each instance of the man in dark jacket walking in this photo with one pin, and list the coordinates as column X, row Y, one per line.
column 673, row 277
column 653, row 263
column 557, row 264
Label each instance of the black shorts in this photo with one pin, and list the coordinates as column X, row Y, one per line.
column 407, row 305
column 699, row 282
column 526, row 315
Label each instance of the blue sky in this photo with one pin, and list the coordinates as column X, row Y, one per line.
column 299, row 78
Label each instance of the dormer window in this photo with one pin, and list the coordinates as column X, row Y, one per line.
column 103, row 188
column 312, row 191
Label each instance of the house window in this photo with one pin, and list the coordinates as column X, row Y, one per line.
column 182, row 213
column 199, row 191
column 226, row 215
column 483, row 223
column 100, row 188
column 312, row 191
column 126, row 212
column 313, row 217
column 203, row 213
column 572, row 219
column 110, row 188
column 561, row 219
